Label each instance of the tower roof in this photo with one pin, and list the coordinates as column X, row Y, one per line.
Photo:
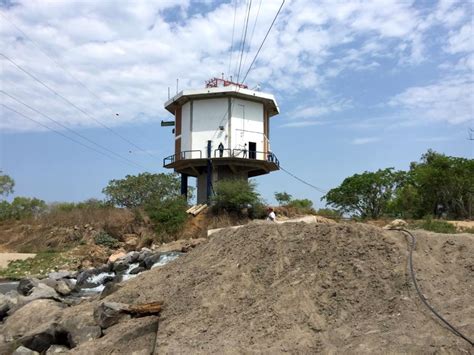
column 268, row 100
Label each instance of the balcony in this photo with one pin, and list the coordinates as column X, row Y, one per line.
column 192, row 162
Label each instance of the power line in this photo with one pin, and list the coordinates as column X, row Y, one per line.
column 244, row 39
column 304, row 182
column 73, row 131
column 241, row 40
column 57, row 63
column 56, row 131
column 253, row 31
column 74, row 105
column 264, row 39
column 233, row 31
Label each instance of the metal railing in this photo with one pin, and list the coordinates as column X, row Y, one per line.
column 224, row 153
column 185, row 154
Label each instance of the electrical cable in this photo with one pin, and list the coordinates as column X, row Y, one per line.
column 248, row 71
column 233, row 31
column 244, row 39
column 57, row 63
column 241, row 40
column 253, row 31
column 264, row 39
column 58, row 132
column 303, row 181
column 73, row 105
column 420, row 294
column 72, row 130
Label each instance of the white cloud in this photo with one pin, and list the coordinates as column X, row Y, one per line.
column 365, row 140
column 130, row 54
column 450, row 100
column 434, row 139
column 462, row 40
column 300, row 124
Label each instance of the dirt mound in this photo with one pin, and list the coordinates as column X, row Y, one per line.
column 307, row 288
column 66, row 229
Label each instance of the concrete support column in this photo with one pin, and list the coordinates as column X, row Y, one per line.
column 184, row 185
column 209, row 173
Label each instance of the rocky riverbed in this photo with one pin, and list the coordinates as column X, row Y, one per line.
column 54, row 297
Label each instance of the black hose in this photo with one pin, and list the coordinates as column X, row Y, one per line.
column 418, row 291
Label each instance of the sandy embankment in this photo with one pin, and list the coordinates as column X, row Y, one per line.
column 5, row 258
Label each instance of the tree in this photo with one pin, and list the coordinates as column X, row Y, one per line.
column 21, row 207
column 442, row 181
column 301, row 204
column 366, row 194
column 168, row 215
column 135, row 191
column 283, row 198
column 6, row 184
column 233, row 195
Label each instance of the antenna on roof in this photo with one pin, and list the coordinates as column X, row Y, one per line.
column 216, row 82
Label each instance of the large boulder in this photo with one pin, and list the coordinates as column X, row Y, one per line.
column 144, row 253
column 31, row 316
column 58, row 275
column 63, row 288
column 42, row 338
column 131, row 241
column 25, row 286
column 135, row 336
column 21, row 350
column 4, row 306
column 41, row 291
column 181, row 245
column 114, row 257
column 108, row 314
column 137, row 270
column 149, row 261
column 79, row 323
column 57, row 349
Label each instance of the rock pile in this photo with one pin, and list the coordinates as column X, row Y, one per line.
column 57, row 313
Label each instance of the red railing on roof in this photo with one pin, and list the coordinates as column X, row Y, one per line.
column 214, row 83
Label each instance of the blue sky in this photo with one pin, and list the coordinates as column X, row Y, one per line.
column 361, row 85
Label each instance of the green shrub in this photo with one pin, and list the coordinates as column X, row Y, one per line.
column 302, row 205
column 437, row 226
column 258, row 211
column 5, row 211
column 168, row 216
column 102, row 238
column 40, row 265
column 283, row 198
column 21, row 207
column 235, row 195
column 89, row 204
column 329, row 213
column 62, row 206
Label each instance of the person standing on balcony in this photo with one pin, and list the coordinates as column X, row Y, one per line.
column 221, row 150
column 245, row 150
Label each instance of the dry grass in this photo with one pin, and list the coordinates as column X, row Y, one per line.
column 60, row 230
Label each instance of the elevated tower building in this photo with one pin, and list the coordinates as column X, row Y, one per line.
column 221, row 131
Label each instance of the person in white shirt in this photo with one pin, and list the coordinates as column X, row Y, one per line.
column 271, row 215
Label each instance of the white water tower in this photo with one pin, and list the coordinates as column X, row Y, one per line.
column 221, row 131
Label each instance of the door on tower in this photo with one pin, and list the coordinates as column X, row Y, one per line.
column 252, row 150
